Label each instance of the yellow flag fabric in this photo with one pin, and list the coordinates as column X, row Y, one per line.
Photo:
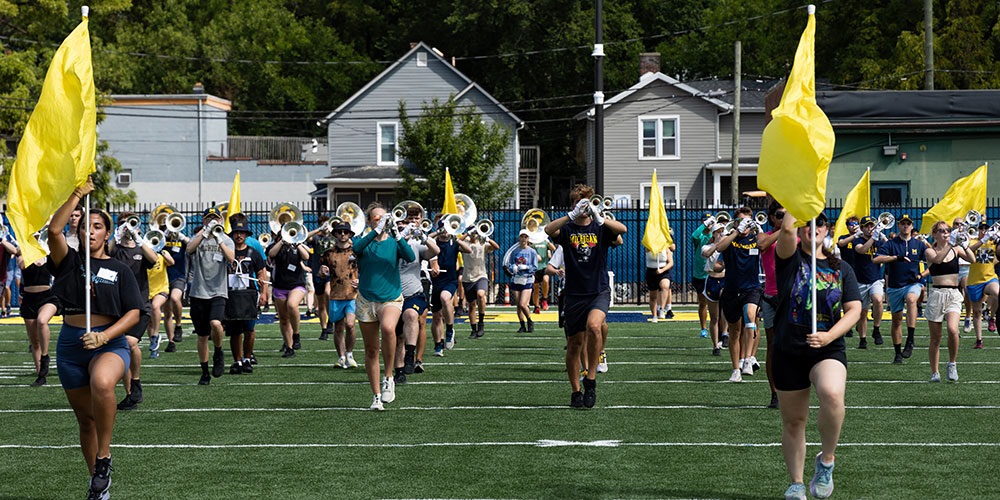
column 56, row 153
column 967, row 193
column 857, row 204
column 450, row 207
column 657, row 236
column 797, row 144
column 234, row 201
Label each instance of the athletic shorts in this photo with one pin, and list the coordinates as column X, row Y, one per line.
column 539, row 275
column 514, row 287
column 139, row 330
column 653, row 278
column 367, row 311
column 713, row 288
column 417, row 302
column 32, row 302
column 791, row 370
column 941, row 301
column 897, row 296
column 963, row 272
column 166, row 295
column 178, row 284
column 319, row 287
column 734, row 301
column 698, row 284
column 204, row 311
column 472, row 289
column 578, row 307
column 73, row 361
column 341, row 308
column 234, row 327
column 869, row 290
column 768, row 310
column 976, row 292
column 282, row 294
column 439, row 287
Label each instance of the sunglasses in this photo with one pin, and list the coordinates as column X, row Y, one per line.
column 341, row 231
column 905, row 223
column 779, row 215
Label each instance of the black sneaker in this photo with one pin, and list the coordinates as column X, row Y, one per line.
column 755, row 366
column 774, row 400
column 236, row 369
column 40, row 381
column 289, row 353
column 218, row 363
column 399, row 378
column 531, row 326
column 205, row 379
column 137, row 392
column 670, row 314
column 127, row 403
column 482, row 329
column 178, row 335
column 247, row 367
column 522, row 329
column 324, row 335
column 474, row 334
column 589, row 392
column 716, row 351
column 171, row 347
column 725, row 341
column 100, row 482
column 283, row 348
column 877, row 338
column 296, row 344
column 863, row 343
column 253, row 359
column 908, row 349
column 898, row 360
column 418, row 367
column 408, row 363
column 576, row 400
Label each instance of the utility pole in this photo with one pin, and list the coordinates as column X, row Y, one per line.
column 598, row 55
column 737, row 90
column 928, row 45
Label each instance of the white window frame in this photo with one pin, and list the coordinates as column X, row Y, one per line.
column 378, row 144
column 644, row 203
column 421, row 59
column 659, row 137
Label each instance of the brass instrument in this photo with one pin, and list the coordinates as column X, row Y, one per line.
column 264, row 239
column 282, row 214
column 453, row 224
column 466, row 208
column 723, row 217
column 760, row 218
column 608, row 214
column 973, row 218
column 175, row 223
column 293, row 232
column 158, row 217
column 216, row 230
column 484, row 228
column 156, row 240
column 400, row 210
column 352, row 214
column 534, row 221
column 971, row 232
column 885, row 221
column 223, row 209
column 133, row 222
column 602, row 202
column 426, row 225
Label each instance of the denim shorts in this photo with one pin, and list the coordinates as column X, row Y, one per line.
column 73, row 361
column 897, row 296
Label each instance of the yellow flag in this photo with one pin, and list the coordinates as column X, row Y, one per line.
column 657, row 236
column 56, row 153
column 797, row 145
column 449, row 195
column 967, row 193
column 857, row 204
column 234, row 201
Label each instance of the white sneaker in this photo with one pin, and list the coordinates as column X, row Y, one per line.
column 663, row 313
column 602, row 363
column 968, row 325
column 754, row 365
column 935, row 377
column 377, row 403
column 655, row 319
column 745, row 367
column 342, row 362
column 952, row 372
column 388, row 389
column 736, row 377
column 350, row 360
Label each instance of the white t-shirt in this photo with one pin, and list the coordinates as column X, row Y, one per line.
column 656, row 260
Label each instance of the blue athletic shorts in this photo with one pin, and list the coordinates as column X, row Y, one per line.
column 439, row 287
column 976, row 292
column 73, row 361
column 238, row 326
column 417, row 302
column 514, row 287
column 897, row 296
column 341, row 308
column 713, row 288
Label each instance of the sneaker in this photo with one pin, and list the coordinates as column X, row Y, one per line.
column 753, row 363
column 218, row 363
column 399, row 378
column 979, row 344
column 589, row 393
column 179, row 334
column 992, row 325
column 531, row 326
column 474, row 334
column 935, row 377
column 704, row 333
column 418, row 367
column 952, row 372
column 154, row 354
column 545, row 305
column 576, row 400
column 907, row 349
column 725, row 341
column 205, row 379
column 289, row 353
column 537, row 310
column 388, row 390
column 898, row 360
column 350, row 360
column 968, row 325
column 920, row 310
column 877, row 337
column 236, row 368
column 247, row 366
column 408, row 363
column 863, row 343
column 736, row 376
column 774, row 401
column 284, row 348
column 745, row 367
column 154, row 345
column 324, row 335
column 796, row 491
column 661, row 313
column 39, row 381
column 100, row 482
column 296, row 342
column 522, row 330
column 716, row 351
column 439, row 349
column 376, row 403
column 449, row 341
column 669, row 314
column 342, row 362
column 822, row 483
column 128, row 403
column 171, row 347
column 602, row 363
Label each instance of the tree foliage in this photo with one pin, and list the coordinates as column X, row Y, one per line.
column 442, row 138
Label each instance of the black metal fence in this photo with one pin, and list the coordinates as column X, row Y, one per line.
column 627, row 262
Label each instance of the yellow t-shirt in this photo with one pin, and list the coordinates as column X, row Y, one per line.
column 982, row 269
column 157, row 274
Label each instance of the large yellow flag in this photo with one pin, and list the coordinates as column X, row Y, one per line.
column 657, row 236
column 967, row 193
column 857, row 203
column 234, row 201
column 56, row 153
column 450, row 207
column 797, row 145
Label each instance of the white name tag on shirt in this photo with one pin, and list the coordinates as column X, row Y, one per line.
column 292, row 267
column 107, row 274
column 137, row 256
column 520, row 280
column 217, row 257
column 175, row 249
column 753, row 251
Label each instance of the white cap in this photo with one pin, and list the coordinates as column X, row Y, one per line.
column 524, row 232
column 85, row 11
column 811, row 9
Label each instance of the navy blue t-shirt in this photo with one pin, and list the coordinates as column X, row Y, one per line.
column 902, row 273
column 847, row 251
column 585, row 249
column 447, row 262
column 742, row 263
column 177, row 250
column 867, row 271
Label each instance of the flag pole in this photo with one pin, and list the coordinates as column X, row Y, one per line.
column 813, row 273
column 86, row 257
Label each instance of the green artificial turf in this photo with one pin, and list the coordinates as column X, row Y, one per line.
column 491, row 420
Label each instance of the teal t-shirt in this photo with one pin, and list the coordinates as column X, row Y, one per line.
column 701, row 236
column 378, row 266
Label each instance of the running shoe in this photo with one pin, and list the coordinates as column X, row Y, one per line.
column 179, row 334
column 589, row 392
column 247, row 366
column 439, row 349
column 289, row 353
column 342, row 362
column 154, row 346
column 576, row 400
column 968, row 325
column 350, row 360
column 523, row 329
column 545, row 305
column 388, row 390
column 39, row 381
column 736, row 376
column 218, row 363
column 774, row 401
column 480, row 331
column 100, row 481
column 979, row 344
column 745, row 367
column 449, row 343
column 952, row 372
column 408, row 362
column 531, row 326
column 205, row 379
column 376, row 403
column 171, row 347
column 537, row 310
column 324, row 335
column 474, row 334
column 753, row 363
column 669, row 314
column 796, row 491
column 863, row 343
column 898, row 360
column 992, row 325
column 716, row 351
column 935, row 377
column 822, row 483
column 418, row 367
column 253, row 359
column 399, row 377
column 154, row 354
column 127, row 403
column 284, row 347
column 236, row 368
column 908, row 349
column 877, row 337
column 704, row 333
column 656, row 319
column 725, row 341
column 602, row 363
column 296, row 342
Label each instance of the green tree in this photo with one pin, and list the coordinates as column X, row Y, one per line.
column 441, row 138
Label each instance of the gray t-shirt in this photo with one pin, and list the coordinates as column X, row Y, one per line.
column 475, row 263
column 207, row 270
column 409, row 272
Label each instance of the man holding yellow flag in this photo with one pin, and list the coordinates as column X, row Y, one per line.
column 659, row 255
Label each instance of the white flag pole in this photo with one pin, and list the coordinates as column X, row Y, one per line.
column 84, row 247
column 813, row 273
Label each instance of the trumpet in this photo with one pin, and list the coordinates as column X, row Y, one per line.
column 155, row 239
column 973, row 218
column 352, row 214
column 175, row 223
column 760, row 218
column 282, row 214
column 453, row 224
column 466, row 208
column 426, row 225
column 602, row 202
column 133, row 222
column 216, row 230
column 971, row 232
column 885, row 221
column 484, row 228
column 264, row 239
column 534, row 221
column 160, row 215
column 293, row 232
column 608, row 214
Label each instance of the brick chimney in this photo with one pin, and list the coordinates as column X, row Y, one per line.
column 649, row 62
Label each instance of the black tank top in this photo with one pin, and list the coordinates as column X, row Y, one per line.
column 945, row 268
column 36, row 276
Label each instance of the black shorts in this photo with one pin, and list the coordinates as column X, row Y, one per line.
column 713, row 288
column 319, row 286
column 540, row 275
column 32, row 302
column 698, row 284
column 791, row 370
column 139, row 329
column 178, row 284
column 204, row 311
column 653, row 278
column 436, row 304
column 472, row 289
column 577, row 307
column 734, row 300
column 238, row 326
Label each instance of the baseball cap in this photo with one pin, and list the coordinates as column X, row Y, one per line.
column 524, row 232
column 240, row 226
column 905, row 217
column 211, row 211
column 867, row 220
column 343, row 226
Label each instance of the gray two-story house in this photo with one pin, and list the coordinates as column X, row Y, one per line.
column 683, row 130
column 365, row 130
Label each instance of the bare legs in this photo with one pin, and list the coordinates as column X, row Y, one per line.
column 829, row 377
column 95, row 407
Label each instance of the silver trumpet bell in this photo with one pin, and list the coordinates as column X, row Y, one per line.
column 973, row 218
column 886, row 220
column 264, row 239
column 155, row 239
column 282, row 214
column 175, row 223
column 133, row 222
column 426, row 225
column 293, row 232
column 760, row 218
column 484, row 228
column 453, row 224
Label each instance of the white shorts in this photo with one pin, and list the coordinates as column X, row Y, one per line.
column 869, row 290
column 367, row 312
column 310, row 286
column 942, row 301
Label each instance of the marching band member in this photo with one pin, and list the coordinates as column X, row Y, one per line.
column 983, row 286
column 522, row 264
column 414, row 301
column 444, row 282
column 209, row 253
column 715, row 281
column 659, row 272
column 90, row 363
column 768, row 305
column 289, row 286
column 177, row 275
column 540, row 291
column 244, row 295
column 870, row 281
column 159, row 290
column 341, row 267
column 319, row 242
column 699, row 238
column 945, row 301
column 475, row 281
column 902, row 256
column 586, row 236
column 38, row 305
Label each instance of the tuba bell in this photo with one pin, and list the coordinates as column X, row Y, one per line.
column 352, row 214
column 282, row 214
column 466, row 208
column 155, row 239
column 293, row 232
column 160, row 214
column 534, row 221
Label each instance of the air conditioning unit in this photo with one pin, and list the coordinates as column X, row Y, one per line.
column 124, row 178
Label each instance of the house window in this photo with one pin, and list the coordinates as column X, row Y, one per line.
column 421, row 59
column 891, row 194
column 669, row 192
column 658, row 137
column 341, row 197
column 385, row 198
column 387, row 136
